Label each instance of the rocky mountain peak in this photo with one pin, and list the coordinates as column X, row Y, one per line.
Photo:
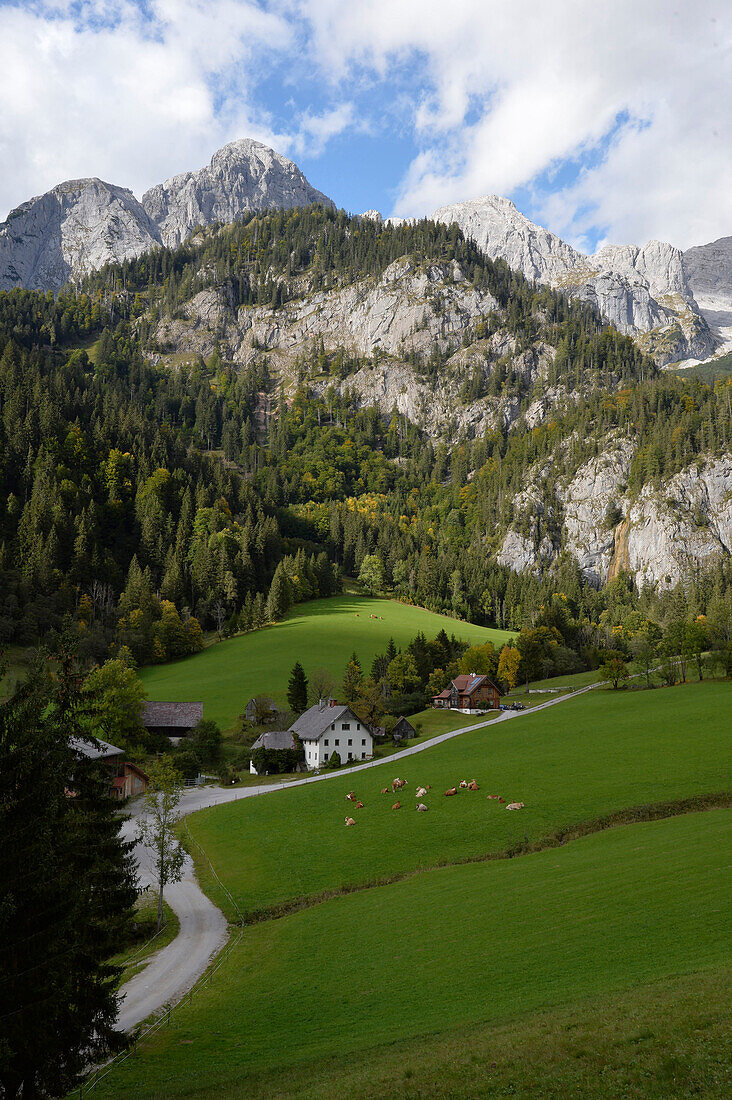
column 75, row 227
column 244, row 175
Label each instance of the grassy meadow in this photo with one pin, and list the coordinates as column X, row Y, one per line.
column 596, row 754
column 453, row 948
column 319, row 634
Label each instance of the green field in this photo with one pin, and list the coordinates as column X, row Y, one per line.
column 596, row 754
column 448, row 949
column 319, row 634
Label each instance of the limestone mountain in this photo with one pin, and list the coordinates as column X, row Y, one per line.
column 643, row 292
column 708, row 271
column 81, row 225
column 76, row 227
column 244, row 175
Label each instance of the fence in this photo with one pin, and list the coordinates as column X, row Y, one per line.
column 162, row 1021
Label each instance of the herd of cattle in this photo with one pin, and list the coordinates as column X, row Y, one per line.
column 421, row 792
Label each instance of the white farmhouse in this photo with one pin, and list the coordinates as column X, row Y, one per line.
column 327, row 728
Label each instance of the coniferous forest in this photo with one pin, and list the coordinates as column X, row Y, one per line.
column 143, row 503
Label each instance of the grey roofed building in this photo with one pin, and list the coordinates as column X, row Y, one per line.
column 171, row 719
column 275, row 739
column 311, row 725
column 102, row 750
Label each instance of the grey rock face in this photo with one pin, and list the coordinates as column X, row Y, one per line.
column 74, row 228
column 244, row 175
column 642, row 291
column 708, row 271
column 660, row 536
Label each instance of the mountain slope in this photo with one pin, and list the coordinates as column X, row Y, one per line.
column 642, row 291
column 76, row 227
column 242, row 176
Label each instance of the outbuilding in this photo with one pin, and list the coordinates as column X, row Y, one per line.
column 173, row 720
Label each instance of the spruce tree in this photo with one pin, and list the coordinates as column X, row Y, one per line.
column 297, row 690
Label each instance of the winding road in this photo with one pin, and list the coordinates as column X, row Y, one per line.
column 173, row 970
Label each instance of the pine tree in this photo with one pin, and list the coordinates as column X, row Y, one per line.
column 297, row 690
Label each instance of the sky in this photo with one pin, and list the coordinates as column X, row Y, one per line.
column 606, row 122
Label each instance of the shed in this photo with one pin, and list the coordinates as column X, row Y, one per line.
column 403, row 730
column 171, row 719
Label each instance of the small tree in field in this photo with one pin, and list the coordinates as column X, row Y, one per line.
column 614, row 669
column 297, row 689
column 156, row 829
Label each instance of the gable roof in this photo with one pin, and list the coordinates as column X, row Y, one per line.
column 180, row 715
column 275, row 739
column 311, row 725
column 101, row 750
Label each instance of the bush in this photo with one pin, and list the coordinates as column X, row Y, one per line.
column 334, row 760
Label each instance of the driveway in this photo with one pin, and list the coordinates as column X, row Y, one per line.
column 203, row 929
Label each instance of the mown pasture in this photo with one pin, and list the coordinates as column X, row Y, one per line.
column 448, row 949
column 595, row 754
column 319, row 634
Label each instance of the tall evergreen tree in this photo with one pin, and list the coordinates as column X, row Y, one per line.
column 297, row 690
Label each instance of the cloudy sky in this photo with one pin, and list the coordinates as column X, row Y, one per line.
column 606, row 122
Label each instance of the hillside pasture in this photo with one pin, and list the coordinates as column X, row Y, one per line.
column 596, row 754
column 445, row 950
column 319, row 634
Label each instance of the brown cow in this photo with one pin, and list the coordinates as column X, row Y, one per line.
column 385, row 790
column 463, row 784
column 397, row 784
column 351, row 796
column 359, row 805
column 494, row 796
column 350, row 821
column 453, row 790
column 473, row 786
column 397, row 806
column 422, row 807
column 515, row 806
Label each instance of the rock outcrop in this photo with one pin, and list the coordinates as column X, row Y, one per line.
column 660, row 535
column 642, row 291
column 244, row 175
column 74, row 228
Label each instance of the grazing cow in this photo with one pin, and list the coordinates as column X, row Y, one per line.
column 422, row 808
column 397, row 806
column 359, row 805
column 494, row 796
column 351, row 796
column 453, row 790
column 515, row 806
column 473, row 786
column 384, row 790
column 350, row 821
column 397, row 784
column 420, row 792
column 463, row 784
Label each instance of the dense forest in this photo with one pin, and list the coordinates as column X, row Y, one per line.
column 147, row 502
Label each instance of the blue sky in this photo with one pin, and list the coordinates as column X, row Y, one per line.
column 606, row 123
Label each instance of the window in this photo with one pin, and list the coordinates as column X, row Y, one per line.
column 358, row 725
column 336, row 742
column 363, row 755
column 363, row 740
column 325, row 756
column 350, row 742
column 326, row 741
column 345, row 725
column 350, row 756
column 333, row 726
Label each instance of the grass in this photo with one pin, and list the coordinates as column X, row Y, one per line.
column 319, row 634
column 588, row 756
column 143, row 943
column 451, row 949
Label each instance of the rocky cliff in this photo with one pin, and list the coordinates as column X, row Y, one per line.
column 81, row 225
column 242, row 176
column 660, row 534
column 644, row 292
column 78, row 226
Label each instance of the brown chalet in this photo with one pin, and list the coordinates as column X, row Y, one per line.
column 469, row 691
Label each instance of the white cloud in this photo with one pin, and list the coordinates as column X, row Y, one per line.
column 516, row 87
column 107, row 90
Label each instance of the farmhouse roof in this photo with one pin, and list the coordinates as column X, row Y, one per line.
column 275, row 739
column 467, row 682
column 180, row 715
column 311, row 725
column 96, row 749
